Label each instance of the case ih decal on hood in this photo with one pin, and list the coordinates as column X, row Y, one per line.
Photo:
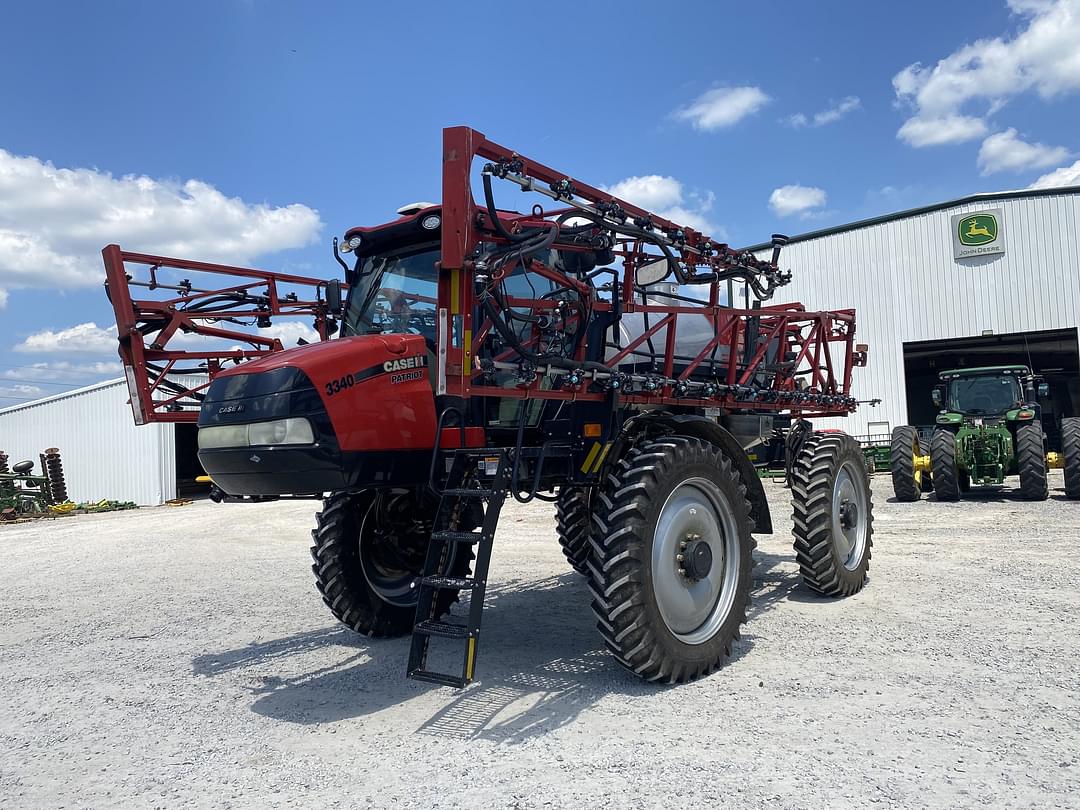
column 418, row 362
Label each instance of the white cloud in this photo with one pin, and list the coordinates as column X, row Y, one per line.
column 1006, row 152
column 667, row 197
column 3, row 298
column 722, row 107
column 289, row 332
column 920, row 131
column 91, row 339
column 1065, row 176
column 63, row 371
column 826, row 116
column 21, row 392
column 796, row 199
column 54, row 222
column 84, row 338
column 649, row 191
column 1043, row 57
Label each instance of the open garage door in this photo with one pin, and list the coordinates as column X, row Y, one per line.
column 1051, row 353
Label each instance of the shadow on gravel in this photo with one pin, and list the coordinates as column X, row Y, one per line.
column 773, row 586
column 540, row 665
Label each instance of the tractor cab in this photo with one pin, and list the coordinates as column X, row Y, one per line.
column 987, row 395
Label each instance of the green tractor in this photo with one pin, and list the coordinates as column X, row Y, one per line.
column 989, row 427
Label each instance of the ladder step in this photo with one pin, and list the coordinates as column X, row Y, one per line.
column 439, row 678
column 458, row 537
column 453, row 583
column 469, row 493
column 444, row 629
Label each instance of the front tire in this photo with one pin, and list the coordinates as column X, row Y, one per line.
column 1031, row 459
column 1070, row 448
column 943, row 462
column 907, row 483
column 833, row 514
column 368, row 552
column 671, row 559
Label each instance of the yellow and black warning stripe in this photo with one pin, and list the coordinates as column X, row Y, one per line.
column 595, row 459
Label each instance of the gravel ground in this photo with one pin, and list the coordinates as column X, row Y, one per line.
column 180, row 656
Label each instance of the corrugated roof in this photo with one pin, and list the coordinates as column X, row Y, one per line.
column 926, row 209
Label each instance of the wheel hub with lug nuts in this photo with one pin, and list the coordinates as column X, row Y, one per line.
column 695, row 558
column 849, row 515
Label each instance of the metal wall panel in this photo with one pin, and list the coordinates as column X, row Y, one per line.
column 105, row 455
column 902, row 279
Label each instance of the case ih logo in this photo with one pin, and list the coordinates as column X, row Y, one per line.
column 405, row 363
column 978, row 230
column 231, row 408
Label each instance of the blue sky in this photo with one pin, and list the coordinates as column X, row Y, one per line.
column 255, row 131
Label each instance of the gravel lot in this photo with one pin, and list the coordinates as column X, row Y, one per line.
column 181, row 656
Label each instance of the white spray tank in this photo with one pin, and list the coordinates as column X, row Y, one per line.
column 693, row 332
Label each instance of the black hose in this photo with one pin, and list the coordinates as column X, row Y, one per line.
column 496, row 223
column 512, row 340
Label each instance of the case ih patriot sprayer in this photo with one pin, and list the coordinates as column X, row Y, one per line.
column 579, row 353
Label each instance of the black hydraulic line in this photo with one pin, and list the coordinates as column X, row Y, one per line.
column 512, row 340
column 493, row 214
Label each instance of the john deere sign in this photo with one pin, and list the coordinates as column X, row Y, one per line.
column 978, row 233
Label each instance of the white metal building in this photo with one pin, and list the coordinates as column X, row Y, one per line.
column 983, row 280
column 104, row 454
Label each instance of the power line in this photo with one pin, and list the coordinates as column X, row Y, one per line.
column 46, row 382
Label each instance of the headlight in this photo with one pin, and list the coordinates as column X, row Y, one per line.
column 257, row 434
column 351, row 244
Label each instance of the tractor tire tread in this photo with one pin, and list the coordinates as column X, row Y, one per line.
column 816, row 465
column 1031, row 461
column 902, row 464
column 943, row 462
column 1070, row 448
column 620, row 562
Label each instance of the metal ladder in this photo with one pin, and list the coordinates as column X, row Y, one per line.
column 476, row 474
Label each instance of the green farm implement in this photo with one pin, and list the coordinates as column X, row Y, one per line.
column 22, row 493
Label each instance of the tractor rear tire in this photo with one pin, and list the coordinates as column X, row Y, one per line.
column 671, row 558
column 1031, row 459
column 943, row 463
column 572, row 519
column 833, row 514
column 907, row 485
column 352, row 578
column 1070, row 448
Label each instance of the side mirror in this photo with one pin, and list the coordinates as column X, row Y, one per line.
column 1044, row 389
column 935, row 395
column 652, row 273
column 333, row 296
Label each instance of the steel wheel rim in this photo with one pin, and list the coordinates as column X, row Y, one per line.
column 849, row 540
column 695, row 610
column 398, row 588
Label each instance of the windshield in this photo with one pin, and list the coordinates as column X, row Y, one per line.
column 983, row 394
column 397, row 293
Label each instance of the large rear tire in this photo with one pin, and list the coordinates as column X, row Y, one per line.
column 369, row 550
column 572, row 525
column 943, row 463
column 671, row 559
column 833, row 514
column 907, row 483
column 1070, row 448
column 1031, row 459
